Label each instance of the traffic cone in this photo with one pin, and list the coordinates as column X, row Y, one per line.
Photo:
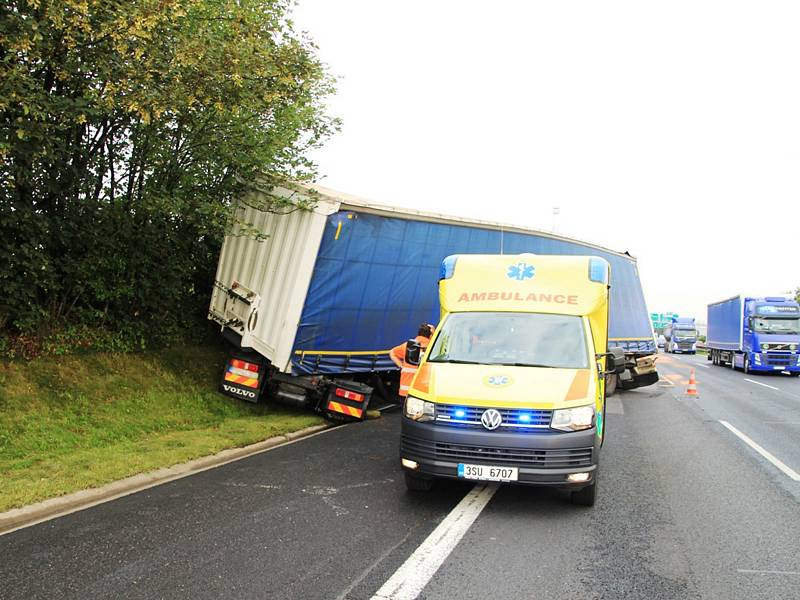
column 692, row 389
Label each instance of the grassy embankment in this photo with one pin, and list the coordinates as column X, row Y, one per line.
column 70, row 423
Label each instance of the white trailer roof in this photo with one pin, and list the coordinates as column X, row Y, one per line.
column 349, row 201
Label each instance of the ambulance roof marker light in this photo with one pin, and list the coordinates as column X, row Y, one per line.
column 598, row 270
column 448, row 267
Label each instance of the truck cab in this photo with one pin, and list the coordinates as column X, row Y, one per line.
column 511, row 387
column 771, row 336
column 681, row 336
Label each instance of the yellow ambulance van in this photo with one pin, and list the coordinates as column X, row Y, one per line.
column 511, row 387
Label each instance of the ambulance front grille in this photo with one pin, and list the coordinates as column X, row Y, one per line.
column 565, row 458
column 470, row 416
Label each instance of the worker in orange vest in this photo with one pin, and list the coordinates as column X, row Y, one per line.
column 398, row 356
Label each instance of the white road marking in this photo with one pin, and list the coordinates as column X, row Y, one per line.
column 763, row 384
column 414, row 574
column 788, row 471
column 614, row 406
column 704, row 366
column 757, row 571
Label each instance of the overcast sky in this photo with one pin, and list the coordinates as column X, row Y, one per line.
column 670, row 130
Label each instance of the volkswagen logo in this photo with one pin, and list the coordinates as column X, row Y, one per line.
column 491, row 419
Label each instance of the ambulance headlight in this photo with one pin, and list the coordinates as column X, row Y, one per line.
column 573, row 419
column 419, row 410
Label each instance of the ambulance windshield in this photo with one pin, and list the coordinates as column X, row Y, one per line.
column 517, row 339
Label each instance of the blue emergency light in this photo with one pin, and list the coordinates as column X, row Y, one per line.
column 448, row 266
column 460, row 413
column 598, row 270
column 524, row 418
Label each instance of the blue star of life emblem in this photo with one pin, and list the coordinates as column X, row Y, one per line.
column 520, row 271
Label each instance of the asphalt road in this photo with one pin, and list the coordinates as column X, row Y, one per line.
column 687, row 509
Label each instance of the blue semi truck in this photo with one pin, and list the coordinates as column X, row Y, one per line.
column 314, row 303
column 756, row 335
column 681, row 336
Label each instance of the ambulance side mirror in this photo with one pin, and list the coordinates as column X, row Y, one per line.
column 615, row 361
column 413, row 352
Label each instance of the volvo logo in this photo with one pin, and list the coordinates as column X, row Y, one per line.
column 491, row 419
column 238, row 391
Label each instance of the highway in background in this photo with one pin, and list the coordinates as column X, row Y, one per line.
column 688, row 508
column 759, row 409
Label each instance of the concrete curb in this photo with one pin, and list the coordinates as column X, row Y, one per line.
column 26, row 516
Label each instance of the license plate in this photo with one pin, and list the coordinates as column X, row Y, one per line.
column 486, row 473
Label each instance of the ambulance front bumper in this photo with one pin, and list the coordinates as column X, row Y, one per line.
column 541, row 458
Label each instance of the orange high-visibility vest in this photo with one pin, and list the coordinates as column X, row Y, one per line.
column 407, row 370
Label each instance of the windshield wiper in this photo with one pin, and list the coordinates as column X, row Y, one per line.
column 455, row 361
column 518, row 364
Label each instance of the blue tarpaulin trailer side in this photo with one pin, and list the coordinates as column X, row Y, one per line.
column 725, row 324
column 375, row 280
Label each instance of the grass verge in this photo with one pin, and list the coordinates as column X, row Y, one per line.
column 76, row 422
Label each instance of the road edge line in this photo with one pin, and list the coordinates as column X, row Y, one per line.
column 414, row 574
column 786, row 469
column 52, row 508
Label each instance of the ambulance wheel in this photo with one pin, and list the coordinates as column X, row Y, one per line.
column 587, row 495
column 418, row 483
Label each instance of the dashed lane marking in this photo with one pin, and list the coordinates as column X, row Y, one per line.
column 788, row 471
column 414, row 574
column 763, row 384
column 765, row 572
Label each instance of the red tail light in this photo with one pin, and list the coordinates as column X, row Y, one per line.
column 242, row 364
column 355, row 396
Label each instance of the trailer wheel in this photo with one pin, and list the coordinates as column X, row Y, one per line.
column 611, row 384
column 418, row 483
column 733, row 361
column 586, row 496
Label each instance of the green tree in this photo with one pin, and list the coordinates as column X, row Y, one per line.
column 126, row 129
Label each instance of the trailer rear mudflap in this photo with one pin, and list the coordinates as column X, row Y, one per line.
column 244, row 377
column 347, row 399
